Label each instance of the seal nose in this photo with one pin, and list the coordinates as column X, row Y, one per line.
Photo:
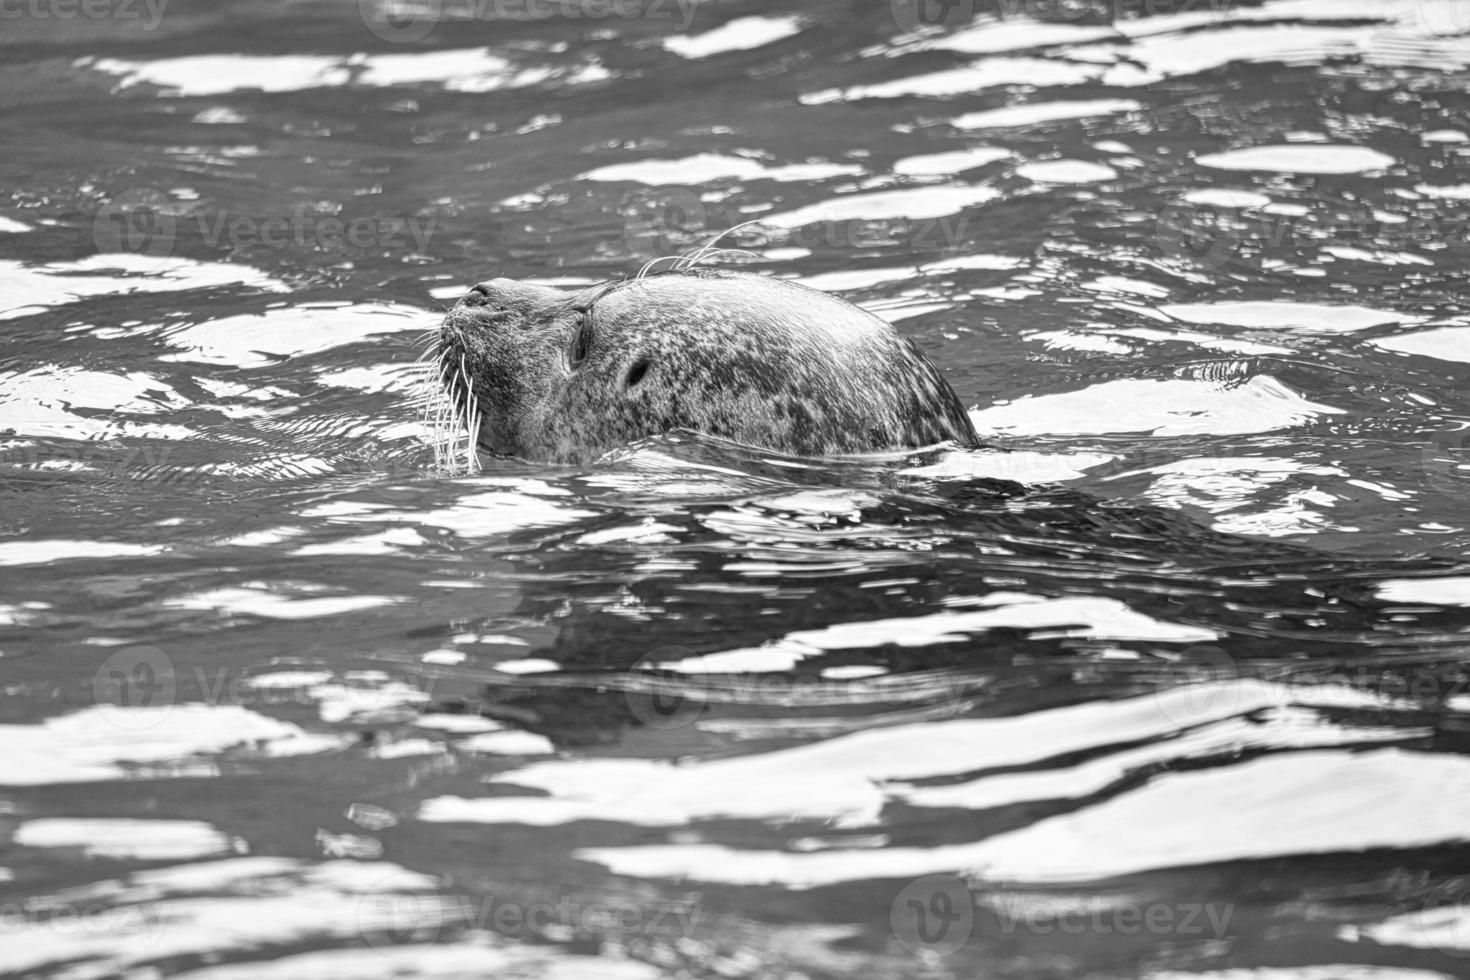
column 507, row 295
column 503, row 292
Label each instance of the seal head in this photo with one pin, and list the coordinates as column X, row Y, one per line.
column 564, row 376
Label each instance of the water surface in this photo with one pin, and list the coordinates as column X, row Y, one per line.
column 1171, row 682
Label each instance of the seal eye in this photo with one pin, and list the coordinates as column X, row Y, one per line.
column 582, row 342
column 635, row 373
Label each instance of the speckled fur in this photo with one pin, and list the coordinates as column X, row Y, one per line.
column 762, row 361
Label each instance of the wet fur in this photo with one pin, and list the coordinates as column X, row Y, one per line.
column 564, row 376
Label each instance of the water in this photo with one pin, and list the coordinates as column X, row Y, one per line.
column 1176, row 687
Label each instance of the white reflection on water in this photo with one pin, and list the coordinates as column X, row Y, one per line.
column 849, row 780
column 139, row 840
column 1348, row 801
column 1164, row 407
column 29, row 289
column 99, row 743
column 740, row 34
column 463, row 70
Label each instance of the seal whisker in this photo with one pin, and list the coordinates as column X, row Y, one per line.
column 439, row 405
column 721, row 251
column 648, row 266
column 472, row 437
column 474, row 441
column 459, row 410
column 436, row 425
column 687, row 262
column 449, row 419
column 471, row 410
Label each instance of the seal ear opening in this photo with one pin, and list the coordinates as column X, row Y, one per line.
column 635, row 373
column 582, row 342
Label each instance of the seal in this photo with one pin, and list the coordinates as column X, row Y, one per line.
column 562, row 376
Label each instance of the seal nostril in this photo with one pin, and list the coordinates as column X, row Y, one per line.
column 635, row 373
column 477, row 296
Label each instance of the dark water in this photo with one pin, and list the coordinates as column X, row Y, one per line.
column 1177, row 687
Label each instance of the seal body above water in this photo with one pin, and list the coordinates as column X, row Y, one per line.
column 564, row 376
